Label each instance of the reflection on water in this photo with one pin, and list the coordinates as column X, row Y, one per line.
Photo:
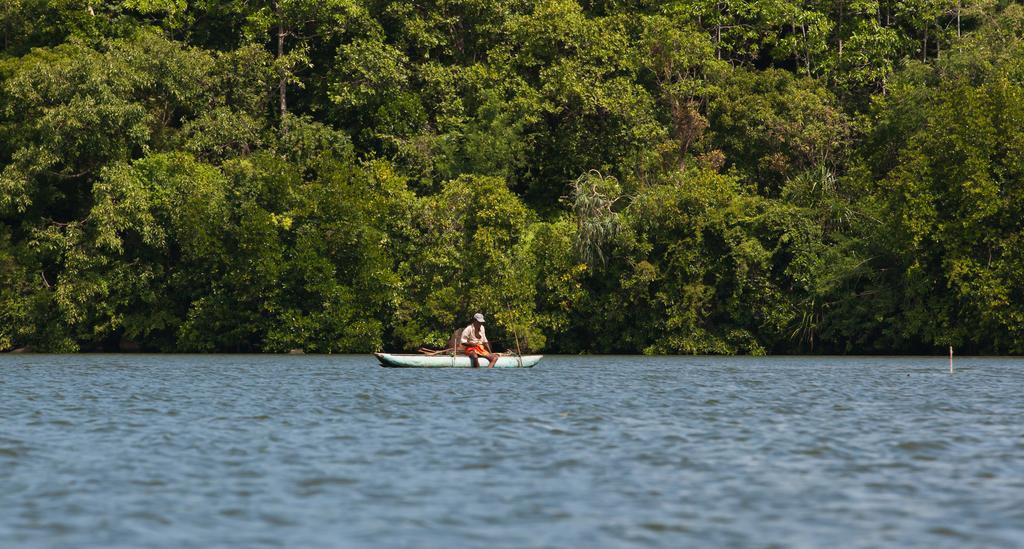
column 166, row 451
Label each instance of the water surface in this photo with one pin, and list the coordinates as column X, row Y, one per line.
column 275, row 451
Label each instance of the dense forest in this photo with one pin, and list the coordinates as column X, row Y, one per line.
column 691, row 176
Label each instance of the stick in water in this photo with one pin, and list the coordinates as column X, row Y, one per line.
column 950, row 360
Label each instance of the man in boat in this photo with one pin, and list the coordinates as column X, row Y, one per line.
column 474, row 342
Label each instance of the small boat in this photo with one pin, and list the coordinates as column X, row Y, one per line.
column 389, row 360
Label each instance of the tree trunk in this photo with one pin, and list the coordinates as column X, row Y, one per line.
column 718, row 31
column 282, row 72
column 958, row 19
column 807, row 48
column 796, row 51
column 839, row 30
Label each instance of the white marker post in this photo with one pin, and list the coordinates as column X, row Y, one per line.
column 950, row 360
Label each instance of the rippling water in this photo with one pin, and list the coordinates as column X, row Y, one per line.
column 169, row 451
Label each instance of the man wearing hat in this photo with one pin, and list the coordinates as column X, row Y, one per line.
column 474, row 342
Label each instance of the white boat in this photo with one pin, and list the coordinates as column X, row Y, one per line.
column 389, row 360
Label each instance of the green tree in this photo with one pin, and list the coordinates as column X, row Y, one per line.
column 469, row 255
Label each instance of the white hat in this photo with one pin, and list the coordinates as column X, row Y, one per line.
column 478, row 317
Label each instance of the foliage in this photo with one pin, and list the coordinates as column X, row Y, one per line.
column 687, row 176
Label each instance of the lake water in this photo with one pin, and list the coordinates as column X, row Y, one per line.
column 303, row 451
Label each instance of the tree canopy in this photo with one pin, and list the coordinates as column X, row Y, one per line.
column 679, row 176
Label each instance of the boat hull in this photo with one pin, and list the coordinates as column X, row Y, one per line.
column 389, row 360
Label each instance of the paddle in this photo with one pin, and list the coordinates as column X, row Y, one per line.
column 431, row 352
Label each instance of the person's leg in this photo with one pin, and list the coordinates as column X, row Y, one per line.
column 492, row 359
column 472, row 359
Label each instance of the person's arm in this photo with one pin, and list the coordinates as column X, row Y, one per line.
column 464, row 338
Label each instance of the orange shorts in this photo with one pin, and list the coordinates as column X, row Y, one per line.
column 477, row 349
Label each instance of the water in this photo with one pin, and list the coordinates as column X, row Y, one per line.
column 301, row 451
